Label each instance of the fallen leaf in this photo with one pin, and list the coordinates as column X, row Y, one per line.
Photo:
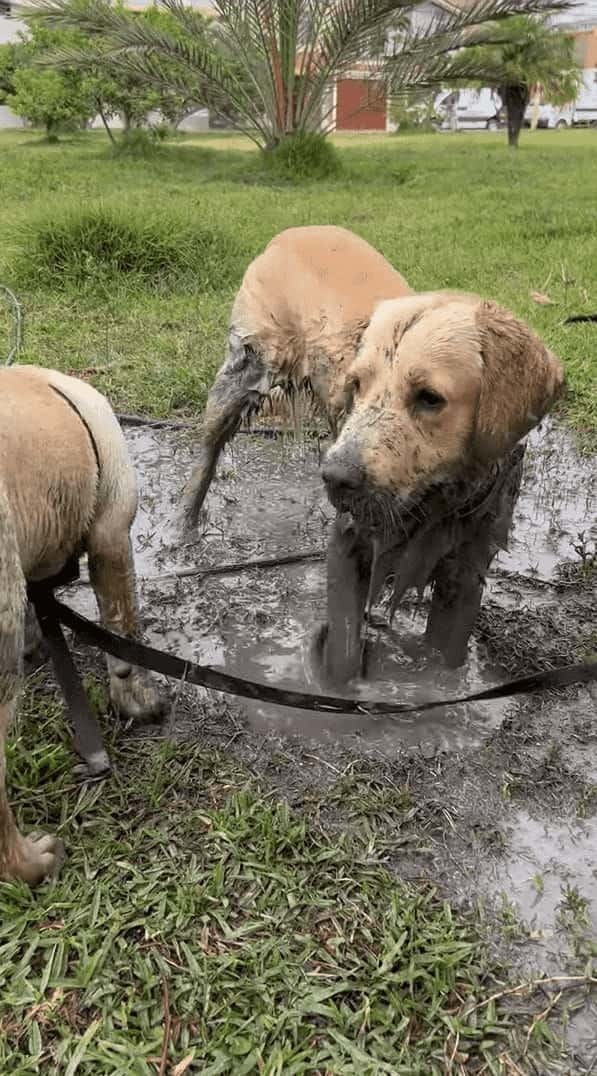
column 543, row 300
column 183, row 1065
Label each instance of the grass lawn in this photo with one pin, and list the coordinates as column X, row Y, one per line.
column 199, row 925
column 447, row 211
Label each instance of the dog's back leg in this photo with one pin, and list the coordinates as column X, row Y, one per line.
column 29, row 858
column 112, row 573
column 240, row 385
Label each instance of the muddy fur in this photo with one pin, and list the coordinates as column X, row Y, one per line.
column 426, row 395
column 66, row 487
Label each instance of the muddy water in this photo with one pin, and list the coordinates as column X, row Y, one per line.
column 267, row 500
column 558, row 503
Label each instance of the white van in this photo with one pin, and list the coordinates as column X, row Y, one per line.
column 581, row 111
column 469, row 110
column 585, row 106
column 549, row 116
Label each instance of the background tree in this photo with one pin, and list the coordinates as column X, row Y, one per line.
column 529, row 53
column 269, row 63
column 8, row 66
column 70, row 95
column 56, row 100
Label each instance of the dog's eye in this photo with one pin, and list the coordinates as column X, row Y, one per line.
column 428, row 400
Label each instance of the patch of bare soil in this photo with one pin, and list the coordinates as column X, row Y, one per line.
column 496, row 803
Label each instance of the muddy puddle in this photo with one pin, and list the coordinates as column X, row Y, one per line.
column 505, row 792
column 268, row 500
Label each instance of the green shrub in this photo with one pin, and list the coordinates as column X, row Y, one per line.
column 305, row 155
column 137, row 142
column 102, row 245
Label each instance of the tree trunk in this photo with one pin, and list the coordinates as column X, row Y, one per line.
column 51, row 131
column 105, row 122
column 516, row 99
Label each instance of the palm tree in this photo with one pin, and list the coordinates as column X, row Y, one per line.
column 269, row 63
column 528, row 55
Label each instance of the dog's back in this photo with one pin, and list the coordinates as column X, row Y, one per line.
column 306, row 291
column 62, row 456
column 296, row 322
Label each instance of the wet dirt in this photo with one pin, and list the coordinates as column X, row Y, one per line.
column 494, row 802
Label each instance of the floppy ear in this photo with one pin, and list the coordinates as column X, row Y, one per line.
column 521, row 381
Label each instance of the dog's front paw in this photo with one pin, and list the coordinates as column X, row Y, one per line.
column 137, row 696
column 35, row 858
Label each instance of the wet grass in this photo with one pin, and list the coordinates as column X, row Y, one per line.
column 201, row 926
column 149, row 328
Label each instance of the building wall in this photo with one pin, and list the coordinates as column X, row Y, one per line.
column 586, row 48
column 359, row 105
column 9, row 26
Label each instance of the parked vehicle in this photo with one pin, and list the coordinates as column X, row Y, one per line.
column 585, row 106
column 469, row 110
column 549, row 116
column 581, row 111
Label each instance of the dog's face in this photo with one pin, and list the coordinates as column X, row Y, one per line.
column 441, row 382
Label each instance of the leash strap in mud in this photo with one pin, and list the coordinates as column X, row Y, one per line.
column 136, row 653
column 87, row 737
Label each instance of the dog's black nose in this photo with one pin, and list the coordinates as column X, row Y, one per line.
column 342, row 474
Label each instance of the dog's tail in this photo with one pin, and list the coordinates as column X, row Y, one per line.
column 580, row 317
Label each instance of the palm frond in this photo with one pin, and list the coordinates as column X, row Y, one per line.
column 271, row 61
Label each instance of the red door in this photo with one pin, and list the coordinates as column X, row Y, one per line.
column 360, row 105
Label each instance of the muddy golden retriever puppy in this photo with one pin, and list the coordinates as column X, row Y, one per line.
column 427, row 396
column 66, row 487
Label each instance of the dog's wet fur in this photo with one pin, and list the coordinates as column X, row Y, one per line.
column 66, row 487
column 427, row 396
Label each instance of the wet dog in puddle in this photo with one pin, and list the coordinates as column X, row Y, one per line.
column 66, row 487
column 427, row 395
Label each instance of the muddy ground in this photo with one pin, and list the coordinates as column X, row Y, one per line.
column 496, row 803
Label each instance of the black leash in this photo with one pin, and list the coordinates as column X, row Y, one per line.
column 136, row 653
column 87, row 737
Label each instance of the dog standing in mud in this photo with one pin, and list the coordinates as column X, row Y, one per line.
column 428, row 396
column 66, row 487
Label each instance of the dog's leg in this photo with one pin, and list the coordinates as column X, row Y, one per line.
column 35, row 650
column 459, row 578
column 112, row 573
column 239, row 386
column 29, row 858
column 457, row 591
column 349, row 562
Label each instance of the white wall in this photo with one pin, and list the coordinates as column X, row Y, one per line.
column 582, row 16
column 9, row 28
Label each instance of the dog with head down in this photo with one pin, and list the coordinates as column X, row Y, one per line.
column 66, row 487
column 427, row 395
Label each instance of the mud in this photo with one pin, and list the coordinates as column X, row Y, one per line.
column 495, row 802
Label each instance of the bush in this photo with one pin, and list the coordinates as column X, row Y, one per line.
column 416, row 112
column 306, row 155
column 137, row 142
column 103, row 244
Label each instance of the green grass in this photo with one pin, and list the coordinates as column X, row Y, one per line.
column 199, row 919
column 447, row 211
column 199, row 925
